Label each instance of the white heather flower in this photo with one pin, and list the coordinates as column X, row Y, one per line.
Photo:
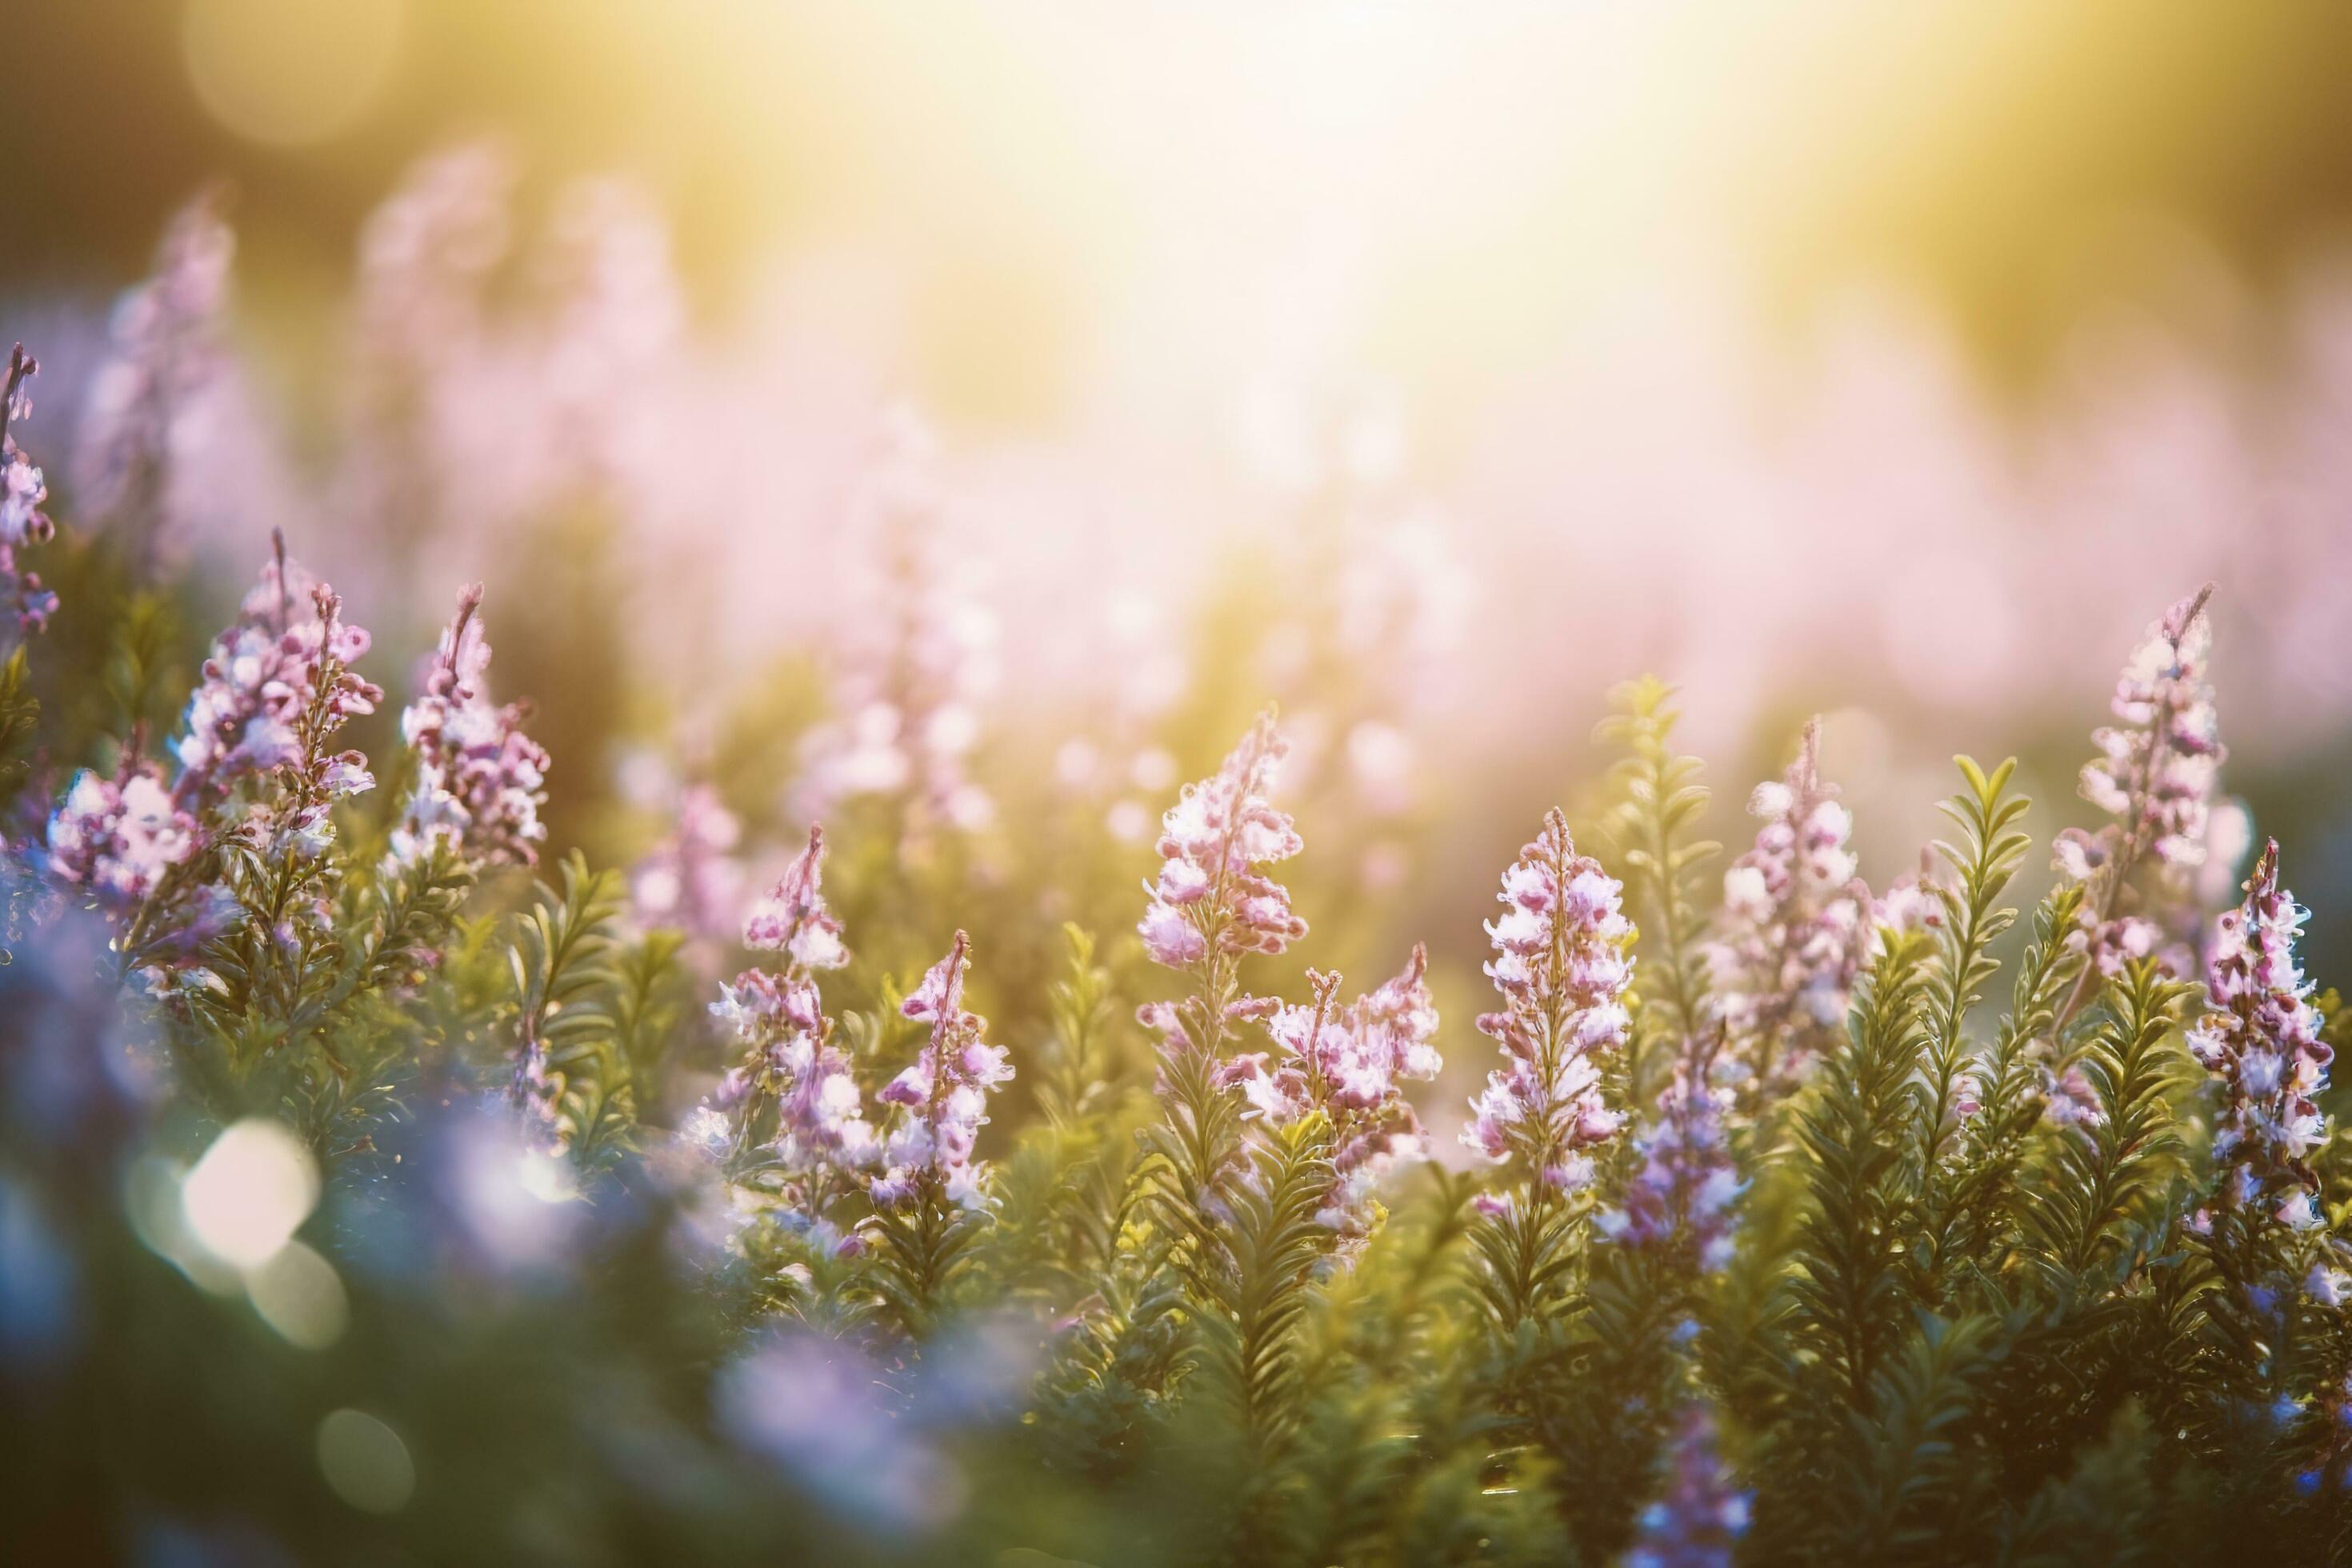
column 2328, row 1286
column 1561, row 967
column 2261, row 1042
column 706, row 1131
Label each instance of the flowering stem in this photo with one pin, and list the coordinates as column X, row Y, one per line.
column 2171, row 700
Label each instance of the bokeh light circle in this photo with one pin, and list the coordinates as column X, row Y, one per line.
column 289, row 72
column 299, row 1293
column 365, row 1462
column 251, row 1191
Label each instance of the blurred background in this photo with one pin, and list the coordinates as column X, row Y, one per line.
column 1899, row 364
column 955, row 423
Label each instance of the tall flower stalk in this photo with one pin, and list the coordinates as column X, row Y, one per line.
column 153, row 406
column 479, row 781
column 1699, row 1520
column 788, row 1121
column 931, row 1195
column 259, row 779
column 911, row 693
column 2261, row 1045
column 1794, row 930
column 1211, row 905
column 1680, row 1201
column 1562, row 966
column 688, row 882
column 2155, row 774
column 1348, row 1064
column 23, row 601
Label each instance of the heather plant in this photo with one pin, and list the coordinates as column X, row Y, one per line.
column 1961, row 1219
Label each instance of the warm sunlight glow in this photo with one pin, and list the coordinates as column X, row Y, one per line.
column 289, row 72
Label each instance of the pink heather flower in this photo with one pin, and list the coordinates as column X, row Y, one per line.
column 1170, row 937
column 22, row 491
column 789, row 1066
column 2154, row 774
column 1911, row 902
column 2072, row 1100
column 1350, row 1063
column 425, row 255
column 1794, row 929
column 617, row 312
column 688, row 882
column 153, row 404
column 2261, row 1044
column 1211, row 894
column 435, row 426
column 1968, row 1096
column 922, row 663
column 481, row 780
column 116, row 838
column 943, row 1096
column 1681, row 1199
column 790, row 1063
column 794, row 919
column 1561, row 967
column 277, row 684
column 1701, row 1518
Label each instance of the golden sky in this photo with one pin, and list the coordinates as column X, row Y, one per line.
column 1436, row 192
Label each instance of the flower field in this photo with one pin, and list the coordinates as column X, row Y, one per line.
column 617, row 947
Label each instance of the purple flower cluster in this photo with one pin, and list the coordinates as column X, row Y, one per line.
column 1211, row 895
column 1350, row 1063
column 780, row 1025
column 943, row 1096
column 2071, row 1100
column 22, row 491
column 1701, row 1518
column 117, row 838
column 277, row 686
column 789, row 1060
column 1562, row 965
column 481, row 780
column 1680, row 1201
column 2261, row 1042
column 1794, row 929
column 794, row 918
column 2154, row 774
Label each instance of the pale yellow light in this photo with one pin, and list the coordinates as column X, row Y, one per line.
column 253, row 1188
column 298, row 1294
column 289, row 72
column 365, row 1462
